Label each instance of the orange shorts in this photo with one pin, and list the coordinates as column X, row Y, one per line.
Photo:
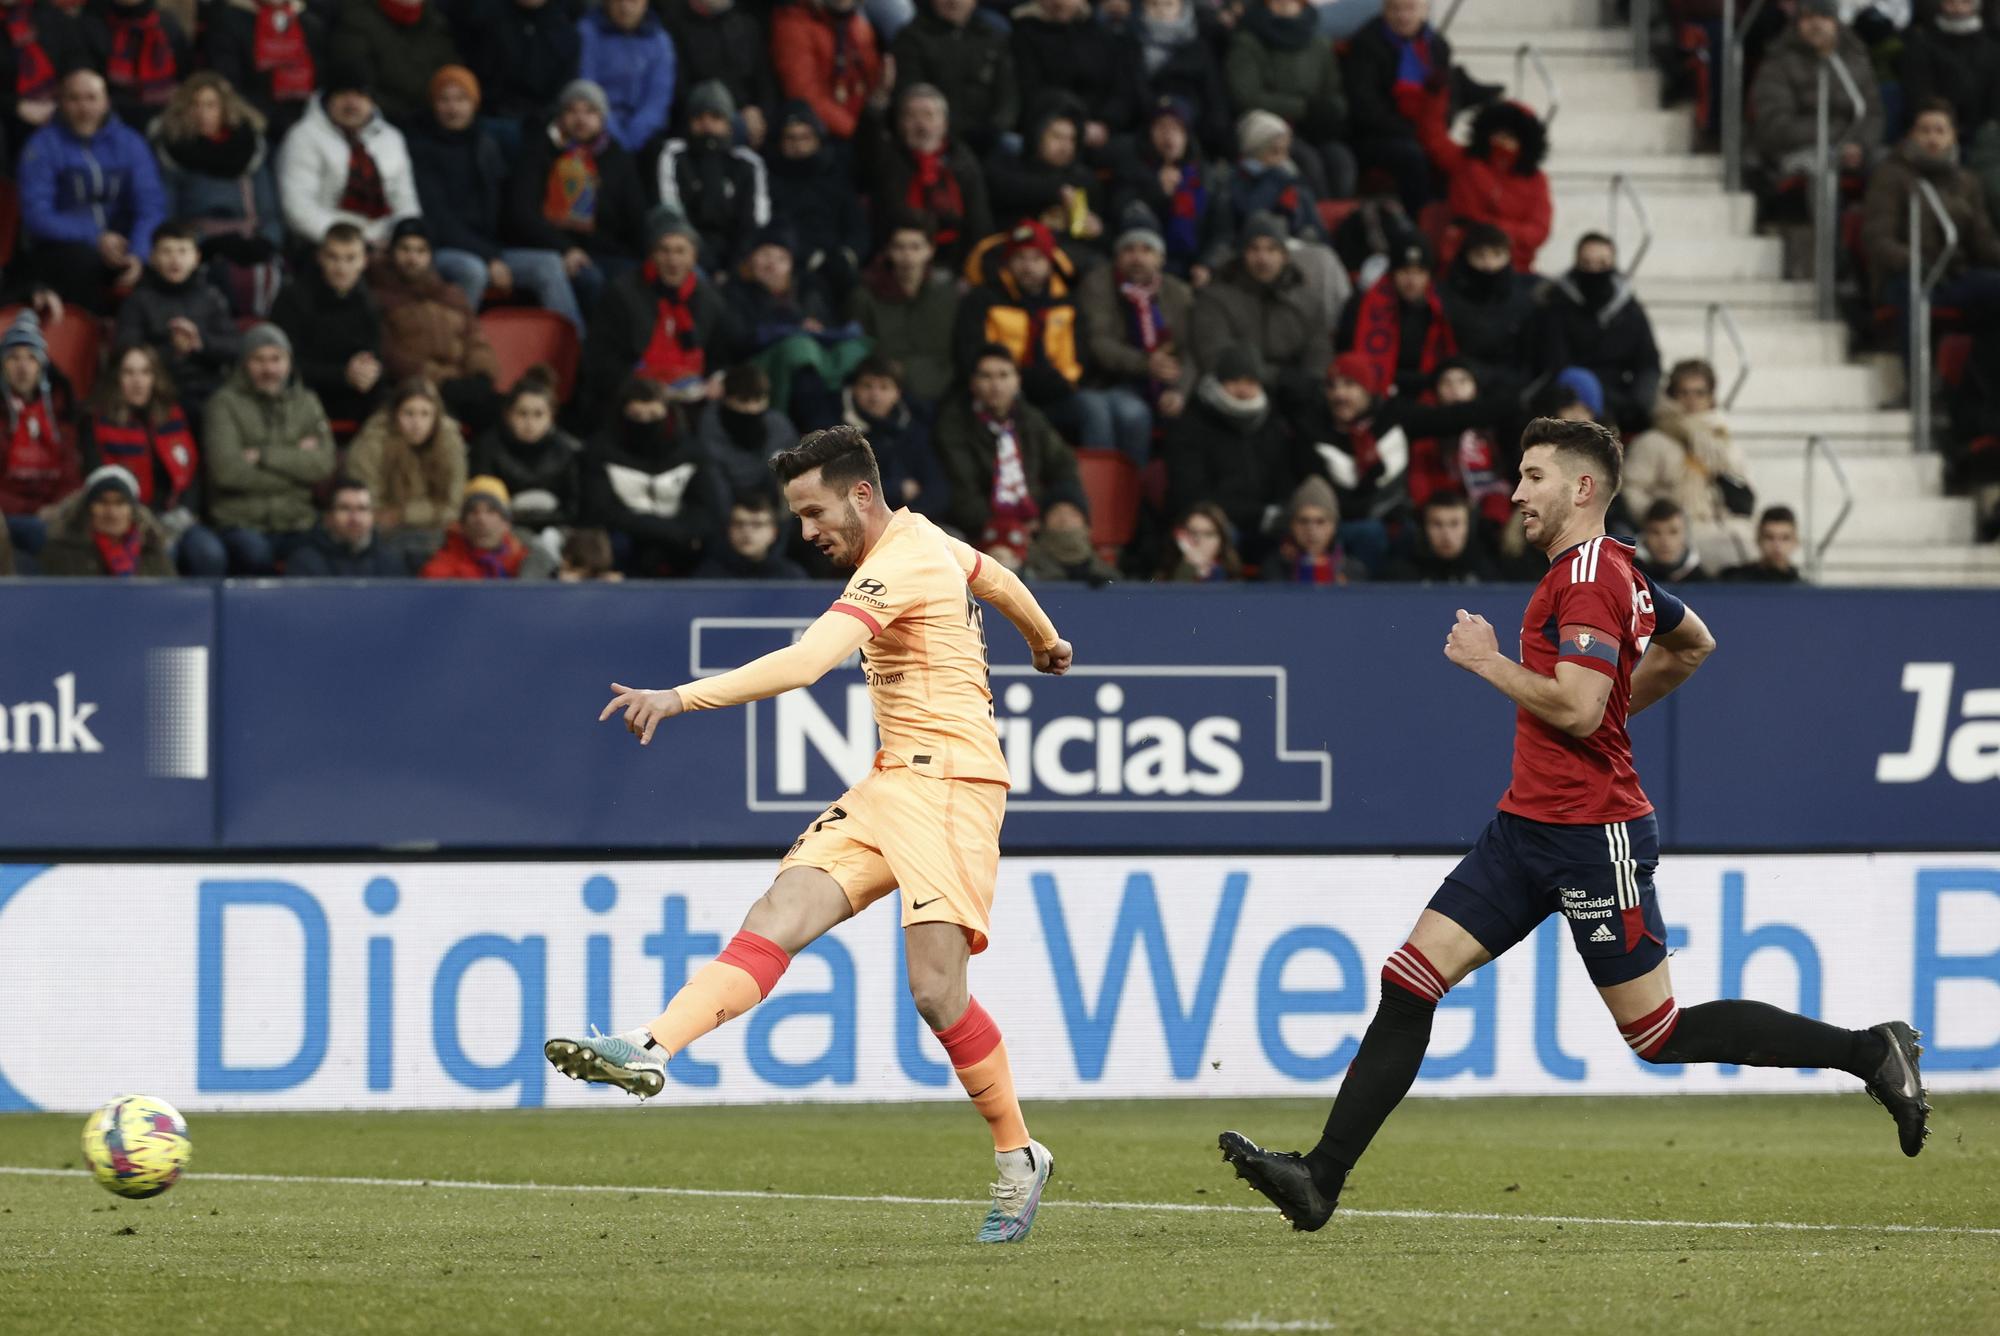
column 937, row 839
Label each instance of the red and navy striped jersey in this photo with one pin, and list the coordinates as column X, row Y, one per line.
column 1597, row 609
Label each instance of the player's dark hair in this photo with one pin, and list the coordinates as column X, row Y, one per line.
column 1777, row 515
column 841, row 454
column 1662, row 510
column 1592, row 440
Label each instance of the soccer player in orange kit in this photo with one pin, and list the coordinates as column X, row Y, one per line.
column 926, row 818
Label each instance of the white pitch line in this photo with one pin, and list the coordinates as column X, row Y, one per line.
column 887, row 1199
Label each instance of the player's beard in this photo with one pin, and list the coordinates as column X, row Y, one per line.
column 1550, row 520
column 850, row 533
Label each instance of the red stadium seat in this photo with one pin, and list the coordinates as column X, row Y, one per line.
column 75, row 344
column 1334, row 212
column 1112, row 484
column 1954, row 355
column 523, row 336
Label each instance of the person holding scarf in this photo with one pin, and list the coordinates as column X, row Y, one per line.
column 40, row 463
column 1399, row 324
column 929, row 171
column 102, row 530
column 271, row 52
column 146, row 55
column 575, row 191
column 135, row 421
column 1190, row 196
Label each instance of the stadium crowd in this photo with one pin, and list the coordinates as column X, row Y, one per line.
column 519, row 289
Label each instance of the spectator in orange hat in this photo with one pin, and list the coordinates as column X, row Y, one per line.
column 483, row 545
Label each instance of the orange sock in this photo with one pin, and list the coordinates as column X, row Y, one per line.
column 723, row 989
column 979, row 1056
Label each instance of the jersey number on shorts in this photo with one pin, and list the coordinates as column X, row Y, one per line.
column 831, row 815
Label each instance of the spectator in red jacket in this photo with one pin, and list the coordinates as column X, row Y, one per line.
column 1497, row 178
column 39, row 465
column 482, row 545
column 1399, row 324
column 825, row 55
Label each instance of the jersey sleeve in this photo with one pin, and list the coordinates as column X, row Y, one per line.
column 1593, row 617
column 883, row 588
column 1668, row 611
column 1002, row 588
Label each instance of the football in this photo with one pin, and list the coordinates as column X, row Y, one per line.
column 137, row 1146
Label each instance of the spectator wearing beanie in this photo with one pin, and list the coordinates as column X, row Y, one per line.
column 1399, row 324
column 576, row 192
column 1229, row 448
column 719, row 187
column 525, row 52
column 1060, row 47
column 930, row 171
column 1280, row 65
column 1134, row 319
column 1027, row 308
column 1262, row 299
column 824, row 53
column 90, row 198
column 145, row 52
column 343, row 163
column 1497, row 179
column 271, row 52
column 483, row 544
column 663, row 323
column 102, row 530
column 947, row 46
column 402, row 43
column 1311, row 553
column 1267, row 180
column 909, row 307
column 462, row 183
column 41, row 462
column 725, row 42
column 1191, row 197
column 813, row 191
column 267, row 445
column 626, row 52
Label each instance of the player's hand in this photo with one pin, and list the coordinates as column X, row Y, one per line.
column 1055, row 660
column 1471, row 644
column 644, row 710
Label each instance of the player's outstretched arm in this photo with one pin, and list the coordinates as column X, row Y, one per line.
column 1670, row 660
column 825, row 644
column 1573, row 700
column 1002, row 588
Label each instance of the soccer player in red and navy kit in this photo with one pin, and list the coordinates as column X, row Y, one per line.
column 1574, row 836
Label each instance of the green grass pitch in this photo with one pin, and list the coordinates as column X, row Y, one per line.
column 1566, row 1177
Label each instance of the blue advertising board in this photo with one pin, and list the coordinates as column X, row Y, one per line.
column 426, row 716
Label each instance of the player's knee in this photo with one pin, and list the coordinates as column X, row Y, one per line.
column 1406, row 971
column 1651, row 1036
column 940, row 995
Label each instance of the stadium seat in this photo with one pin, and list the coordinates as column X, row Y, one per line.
column 75, row 344
column 1112, row 483
column 523, row 336
column 1334, row 212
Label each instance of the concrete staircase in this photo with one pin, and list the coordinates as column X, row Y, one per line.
column 1902, row 530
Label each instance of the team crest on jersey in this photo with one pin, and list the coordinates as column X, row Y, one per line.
column 1584, row 640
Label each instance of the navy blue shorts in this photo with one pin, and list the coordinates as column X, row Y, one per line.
column 1600, row 878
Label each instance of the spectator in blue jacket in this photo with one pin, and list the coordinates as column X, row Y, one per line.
column 90, row 197
column 627, row 53
column 461, row 182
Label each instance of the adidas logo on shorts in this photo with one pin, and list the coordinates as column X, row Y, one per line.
column 1603, row 934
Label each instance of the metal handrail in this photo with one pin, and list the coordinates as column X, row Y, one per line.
column 1817, row 445
column 1450, row 13
column 1719, row 314
column 1925, row 196
column 1528, row 54
column 1621, row 184
column 1826, row 178
column 1733, row 33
